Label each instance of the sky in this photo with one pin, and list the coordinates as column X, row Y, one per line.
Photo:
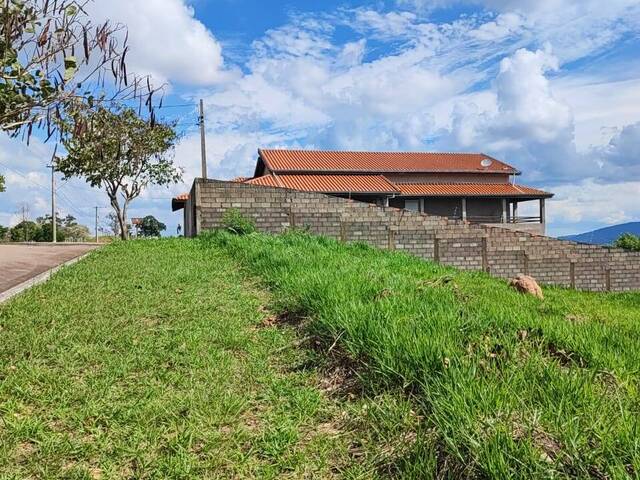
column 549, row 86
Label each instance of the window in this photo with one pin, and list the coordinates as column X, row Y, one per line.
column 413, row 205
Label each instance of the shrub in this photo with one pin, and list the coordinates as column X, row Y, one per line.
column 235, row 222
column 628, row 241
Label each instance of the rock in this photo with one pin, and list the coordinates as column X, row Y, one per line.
column 527, row 284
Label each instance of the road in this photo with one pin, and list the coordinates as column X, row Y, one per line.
column 19, row 263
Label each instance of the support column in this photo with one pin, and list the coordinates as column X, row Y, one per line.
column 385, row 202
column 504, row 210
column 515, row 211
column 464, row 209
column 542, row 212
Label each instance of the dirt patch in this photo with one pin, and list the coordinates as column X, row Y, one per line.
column 339, row 376
column 284, row 319
column 548, row 446
column 573, row 318
column 565, row 357
column 23, row 451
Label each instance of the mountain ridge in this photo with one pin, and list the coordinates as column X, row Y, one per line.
column 606, row 235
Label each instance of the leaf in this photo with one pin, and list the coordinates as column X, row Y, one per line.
column 70, row 68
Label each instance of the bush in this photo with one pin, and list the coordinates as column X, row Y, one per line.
column 628, row 241
column 235, row 222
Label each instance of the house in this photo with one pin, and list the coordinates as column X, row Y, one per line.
column 473, row 187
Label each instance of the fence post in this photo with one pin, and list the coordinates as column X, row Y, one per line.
column 343, row 231
column 391, row 238
column 572, row 273
column 292, row 218
column 485, row 257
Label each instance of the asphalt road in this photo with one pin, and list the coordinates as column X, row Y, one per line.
column 19, row 263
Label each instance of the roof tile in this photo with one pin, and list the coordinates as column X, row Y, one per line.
column 380, row 162
column 471, row 190
column 329, row 183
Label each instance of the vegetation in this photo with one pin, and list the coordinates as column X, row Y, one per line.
column 40, row 231
column 234, row 222
column 25, row 231
column 628, row 241
column 166, row 359
column 155, row 359
column 120, row 152
column 151, row 227
column 53, row 57
column 3, row 232
column 506, row 385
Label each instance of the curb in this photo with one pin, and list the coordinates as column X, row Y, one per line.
column 38, row 279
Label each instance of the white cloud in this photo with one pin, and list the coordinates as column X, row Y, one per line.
column 528, row 109
column 593, row 202
column 166, row 40
column 600, row 107
column 503, row 26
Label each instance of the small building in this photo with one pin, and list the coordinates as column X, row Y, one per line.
column 473, row 187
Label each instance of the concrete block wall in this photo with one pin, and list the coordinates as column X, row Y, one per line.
column 502, row 252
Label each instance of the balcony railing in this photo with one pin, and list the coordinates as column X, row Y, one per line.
column 498, row 219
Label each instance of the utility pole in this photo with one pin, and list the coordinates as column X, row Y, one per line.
column 97, row 239
column 53, row 203
column 203, row 146
column 25, row 213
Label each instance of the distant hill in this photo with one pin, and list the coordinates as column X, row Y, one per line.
column 605, row 236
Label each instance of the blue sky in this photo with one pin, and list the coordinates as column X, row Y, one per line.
column 550, row 86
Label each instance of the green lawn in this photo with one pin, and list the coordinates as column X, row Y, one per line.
column 149, row 360
column 299, row 357
column 505, row 385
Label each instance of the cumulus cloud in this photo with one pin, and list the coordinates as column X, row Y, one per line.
column 593, row 202
column 166, row 40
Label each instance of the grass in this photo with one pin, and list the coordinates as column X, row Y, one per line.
column 505, row 385
column 149, row 360
column 299, row 357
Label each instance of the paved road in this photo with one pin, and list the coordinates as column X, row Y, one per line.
column 19, row 263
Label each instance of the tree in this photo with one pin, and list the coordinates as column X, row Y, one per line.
column 3, row 232
column 25, row 231
column 151, row 227
column 120, row 152
column 2, row 187
column 53, row 57
column 45, row 233
column 73, row 231
column 77, row 233
column 628, row 241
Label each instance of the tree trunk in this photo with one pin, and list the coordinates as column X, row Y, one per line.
column 121, row 214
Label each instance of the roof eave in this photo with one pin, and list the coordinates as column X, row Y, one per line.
column 382, row 172
column 477, row 195
column 177, row 204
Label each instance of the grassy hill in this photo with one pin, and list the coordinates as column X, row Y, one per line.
column 504, row 384
column 300, row 357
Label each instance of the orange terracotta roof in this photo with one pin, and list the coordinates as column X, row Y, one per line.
column 177, row 202
column 239, row 179
column 380, row 162
column 329, row 183
column 470, row 190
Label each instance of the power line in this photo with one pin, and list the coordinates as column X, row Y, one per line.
column 24, row 176
column 178, row 106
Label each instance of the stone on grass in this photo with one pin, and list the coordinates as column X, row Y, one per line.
column 527, row 284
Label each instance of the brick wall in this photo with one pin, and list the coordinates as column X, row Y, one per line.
column 502, row 252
